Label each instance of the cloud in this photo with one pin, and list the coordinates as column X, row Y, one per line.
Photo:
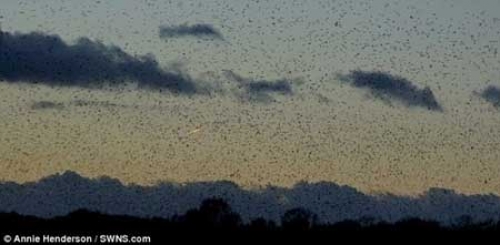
column 45, row 104
column 261, row 90
column 42, row 105
column 81, row 103
column 389, row 88
column 492, row 95
column 197, row 30
column 40, row 58
column 62, row 193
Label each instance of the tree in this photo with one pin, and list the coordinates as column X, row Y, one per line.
column 213, row 213
column 299, row 219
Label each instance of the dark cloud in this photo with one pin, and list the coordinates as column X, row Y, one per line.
column 492, row 95
column 280, row 86
column 95, row 103
column 261, row 90
column 60, row 194
column 197, row 30
column 40, row 58
column 389, row 87
column 42, row 105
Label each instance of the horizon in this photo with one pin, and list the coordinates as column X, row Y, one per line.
column 394, row 97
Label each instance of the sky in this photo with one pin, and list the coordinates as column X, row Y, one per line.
column 385, row 96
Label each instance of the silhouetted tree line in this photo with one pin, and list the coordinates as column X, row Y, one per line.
column 216, row 216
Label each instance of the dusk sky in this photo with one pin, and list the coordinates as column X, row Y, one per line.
column 384, row 96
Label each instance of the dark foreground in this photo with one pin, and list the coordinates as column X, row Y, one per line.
column 215, row 219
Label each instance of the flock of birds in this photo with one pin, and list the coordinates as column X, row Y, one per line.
column 286, row 62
